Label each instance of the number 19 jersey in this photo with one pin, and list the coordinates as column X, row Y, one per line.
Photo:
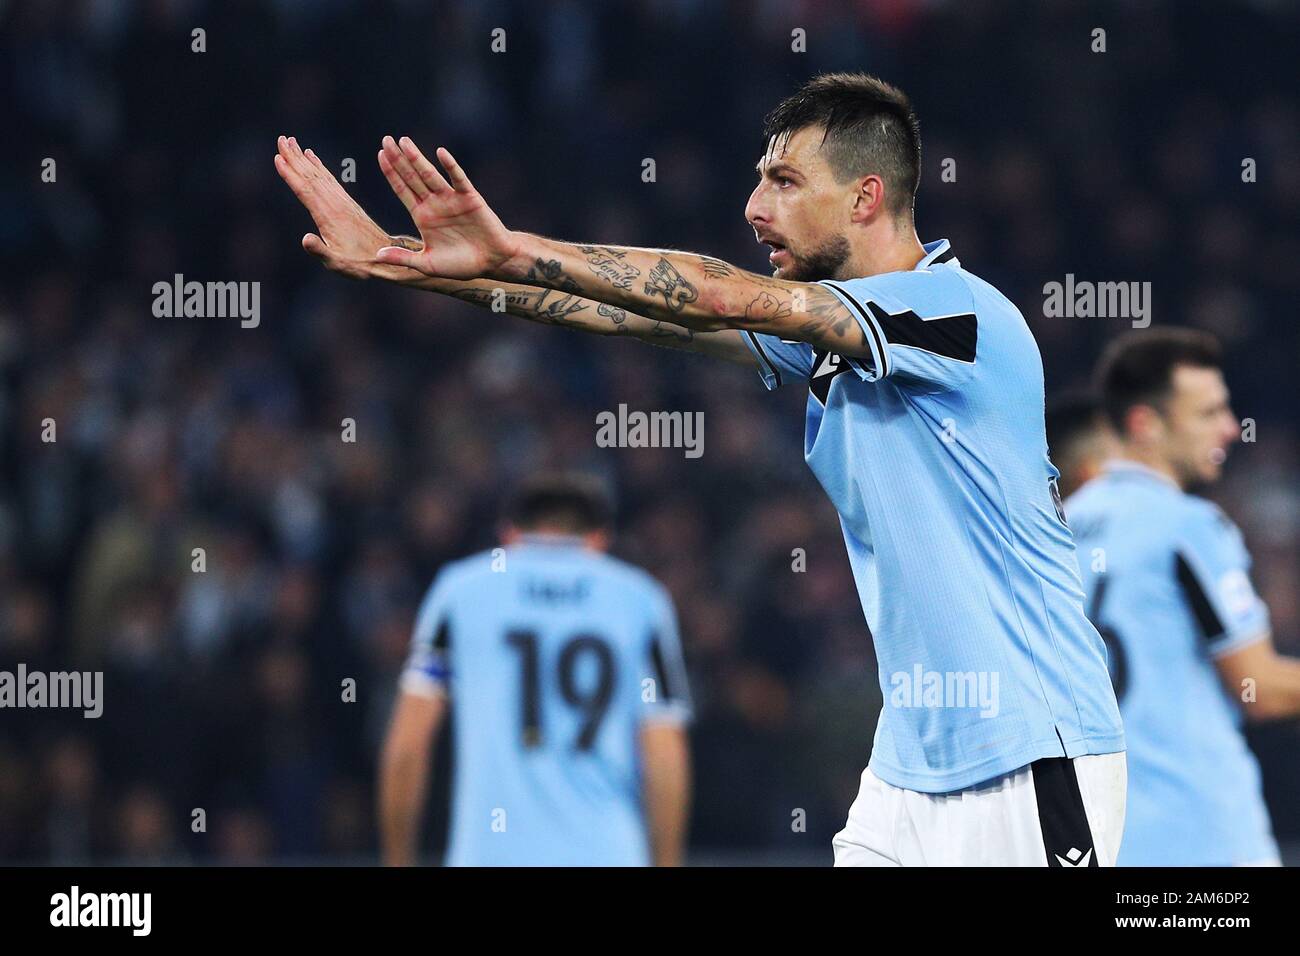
column 554, row 657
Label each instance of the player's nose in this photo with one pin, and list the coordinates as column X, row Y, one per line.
column 1231, row 427
column 756, row 209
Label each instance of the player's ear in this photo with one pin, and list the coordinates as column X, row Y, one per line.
column 869, row 195
column 1144, row 424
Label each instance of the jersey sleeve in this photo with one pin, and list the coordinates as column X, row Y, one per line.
column 428, row 666
column 1213, row 567
column 665, row 696
column 920, row 326
column 780, row 362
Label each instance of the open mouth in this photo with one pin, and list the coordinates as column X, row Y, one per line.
column 778, row 254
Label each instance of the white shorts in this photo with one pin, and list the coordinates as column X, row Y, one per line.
column 1052, row 812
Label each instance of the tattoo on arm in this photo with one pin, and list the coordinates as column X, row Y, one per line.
column 830, row 324
column 614, row 314
column 546, row 305
column 716, row 268
column 767, row 306
column 669, row 283
column 666, row 330
column 557, row 306
column 610, row 265
column 552, row 271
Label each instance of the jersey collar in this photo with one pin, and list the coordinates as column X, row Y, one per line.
column 548, row 539
column 1126, row 466
column 935, row 253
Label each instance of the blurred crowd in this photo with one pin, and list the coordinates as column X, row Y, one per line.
column 228, row 732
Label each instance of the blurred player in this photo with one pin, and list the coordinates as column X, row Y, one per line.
column 1000, row 741
column 1079, row 439
column 1167, row 579
column 565, row 671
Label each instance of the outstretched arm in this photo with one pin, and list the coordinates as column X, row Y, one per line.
column 463, row 238
column 347, row 240
column 586, row 315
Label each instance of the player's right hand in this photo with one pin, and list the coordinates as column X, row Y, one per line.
column 348, row 239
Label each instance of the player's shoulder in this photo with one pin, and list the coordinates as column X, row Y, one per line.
column 460, row 571
column 1200, row 519
column 631, row 576
column 936, row 290
column 1123, row 498
column 1087, row 498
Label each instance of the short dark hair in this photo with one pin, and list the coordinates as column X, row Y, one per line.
column 1071, row 417
column 869, row 128
column 564, row 501
column 1138, row 367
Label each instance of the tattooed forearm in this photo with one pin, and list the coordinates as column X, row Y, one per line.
column 616, row 315
column 767, row 306
column 610, row 265
column 668, row 282
column 716, row 268
column 546, row 305
column 840, row 328
column 554, row 275
column 558, row 306
column 666, row 330
column 694, row 292
column 568, row 311
column 491, row 296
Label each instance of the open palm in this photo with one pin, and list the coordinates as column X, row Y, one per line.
column 346, row 239
column 462, row 236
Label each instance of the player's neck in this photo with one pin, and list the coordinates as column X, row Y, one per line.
column 1150, row 460
column 884, row 247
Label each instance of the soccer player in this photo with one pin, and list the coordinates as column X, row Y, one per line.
column 565, row 671
column 1167, row 577
column 1000, row 741
column 1079, row 439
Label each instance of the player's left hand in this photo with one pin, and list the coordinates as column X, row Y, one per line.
column 462, row 236
column 348, row 238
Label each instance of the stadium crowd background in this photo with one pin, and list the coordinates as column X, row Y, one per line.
column 223, row 689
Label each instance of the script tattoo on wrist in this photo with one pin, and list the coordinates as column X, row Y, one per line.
column 546, row 305
column 666, row 281
column 610, row 265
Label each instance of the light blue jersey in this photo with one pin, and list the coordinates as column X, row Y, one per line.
column 1166, row 576
column 554, row 656
column 934, row 453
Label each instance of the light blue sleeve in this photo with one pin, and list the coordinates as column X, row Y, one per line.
column 920, row 326
column 780, row 362
column 1213, row 568
column 665, row 693
column 428, row 667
